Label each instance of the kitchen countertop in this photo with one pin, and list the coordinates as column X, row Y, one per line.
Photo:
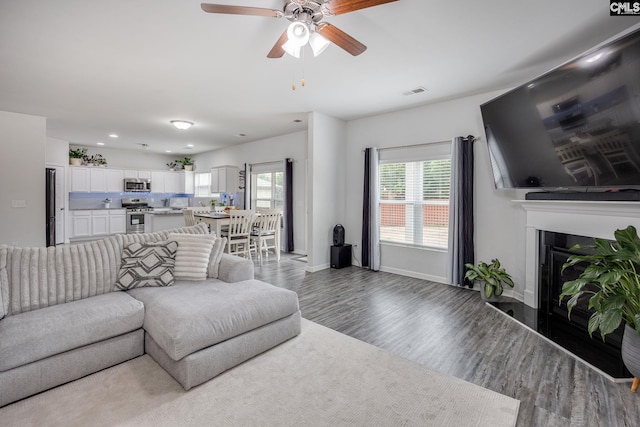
column 166, row 211
column 97, row 209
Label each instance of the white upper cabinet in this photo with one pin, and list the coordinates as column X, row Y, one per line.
column 115, row 180
column 111, row 180
column 224, row 179
column 80, row 179
column 98, row 181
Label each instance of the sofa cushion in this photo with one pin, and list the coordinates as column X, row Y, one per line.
column 35, row 335
column 4, row 282
column 192, row 258
column 191, row 316
column 216, row 257
column 147, row 264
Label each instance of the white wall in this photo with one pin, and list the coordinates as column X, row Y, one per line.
column 292, row 146
column 23, row 141
column 326, row 186
column 57, row 152
column 499, row 228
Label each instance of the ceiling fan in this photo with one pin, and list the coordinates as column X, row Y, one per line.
column 306, row 26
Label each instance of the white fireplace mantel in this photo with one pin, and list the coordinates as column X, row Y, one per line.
column 582, row 218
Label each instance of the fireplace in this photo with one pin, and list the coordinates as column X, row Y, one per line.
column 551, row 228
column 553, row 318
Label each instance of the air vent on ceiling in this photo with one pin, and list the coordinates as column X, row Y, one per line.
column 415, row 91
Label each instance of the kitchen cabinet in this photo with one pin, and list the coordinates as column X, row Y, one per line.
column 224, row 179
column 117, row 221
column 80, row 179
column 172, row 182
column 98, row 180
column 157, row 181
column 81, row 224
column 98, row 222
column 130, row 173
column 115, row 180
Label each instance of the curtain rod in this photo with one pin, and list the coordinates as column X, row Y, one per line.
column 266, row 163
column 414, row 145
column 466, row 138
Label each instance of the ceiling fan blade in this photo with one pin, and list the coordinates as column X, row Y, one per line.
column 241, row 10
column 338, row 7
column 277, row 51
column 340, row 38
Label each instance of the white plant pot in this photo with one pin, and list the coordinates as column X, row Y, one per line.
column 75, row 161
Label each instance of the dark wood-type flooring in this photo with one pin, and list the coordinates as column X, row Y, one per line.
column 451, row 330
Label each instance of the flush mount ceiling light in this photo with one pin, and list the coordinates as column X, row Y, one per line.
column 99, row 143
column 113, row 135
column 181, row 124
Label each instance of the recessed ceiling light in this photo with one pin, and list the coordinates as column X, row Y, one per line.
column 99, row 143
column 181, row 124
column 189, row 145
column 167, row 151
column 113, row 135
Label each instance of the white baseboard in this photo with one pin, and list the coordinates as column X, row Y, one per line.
column 414, row 274
column 311, row 269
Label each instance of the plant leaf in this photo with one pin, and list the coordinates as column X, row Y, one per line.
column 488, row 290
column 594, row 324
column 609, row 321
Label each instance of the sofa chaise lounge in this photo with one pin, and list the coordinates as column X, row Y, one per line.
column 62, row 317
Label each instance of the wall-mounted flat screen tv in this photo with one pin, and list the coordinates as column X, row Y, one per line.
column 577, row 126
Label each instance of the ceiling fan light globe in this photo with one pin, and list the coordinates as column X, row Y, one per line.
column 318, row 43
column 292, row 49
column 298, row 33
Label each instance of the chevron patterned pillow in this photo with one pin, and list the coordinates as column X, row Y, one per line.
column 147, row 264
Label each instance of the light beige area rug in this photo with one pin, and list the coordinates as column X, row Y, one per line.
column 320, row 378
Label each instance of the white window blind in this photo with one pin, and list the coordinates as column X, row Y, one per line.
column 414, row 201
column 203, row 184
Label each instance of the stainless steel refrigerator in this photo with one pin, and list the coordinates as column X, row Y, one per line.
column 50, row 206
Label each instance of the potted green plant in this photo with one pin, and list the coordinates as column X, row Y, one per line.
column 611, row 280
column 76, row 155
column 187, row 163
column 491, row 277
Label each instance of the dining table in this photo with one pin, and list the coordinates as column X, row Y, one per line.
column 215, row 220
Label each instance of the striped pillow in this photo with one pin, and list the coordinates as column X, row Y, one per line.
column 192, row 259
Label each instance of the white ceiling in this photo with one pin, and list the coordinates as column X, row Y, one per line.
column 130, row 66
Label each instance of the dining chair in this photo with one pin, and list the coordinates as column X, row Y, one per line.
column 189, row 218
column 219, row 209
column 265, row 234
column 238, row 233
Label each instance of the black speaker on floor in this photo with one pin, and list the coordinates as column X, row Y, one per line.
column 340, row 256
column 338, row 235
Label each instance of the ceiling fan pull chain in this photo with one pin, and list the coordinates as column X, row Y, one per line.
column 303, row 61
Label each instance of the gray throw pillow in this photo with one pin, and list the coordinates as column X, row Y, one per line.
column 147, row 264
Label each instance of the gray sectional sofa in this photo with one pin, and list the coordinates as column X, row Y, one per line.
column 61, row 317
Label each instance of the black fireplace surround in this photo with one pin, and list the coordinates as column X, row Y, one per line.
column 552, row 320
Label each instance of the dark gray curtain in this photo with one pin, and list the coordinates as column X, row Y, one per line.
column 288, row 205
column 246, row 186
column 370, row 213
column 461, row 244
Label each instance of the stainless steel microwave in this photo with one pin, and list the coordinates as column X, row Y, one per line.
column 137, row 185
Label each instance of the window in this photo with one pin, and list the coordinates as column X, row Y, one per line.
column 414, row 202
column 267, row 190
column 203, row 184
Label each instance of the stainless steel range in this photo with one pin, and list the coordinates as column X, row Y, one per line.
column 138, row 218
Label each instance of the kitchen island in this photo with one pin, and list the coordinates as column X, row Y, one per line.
column 166, row 218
